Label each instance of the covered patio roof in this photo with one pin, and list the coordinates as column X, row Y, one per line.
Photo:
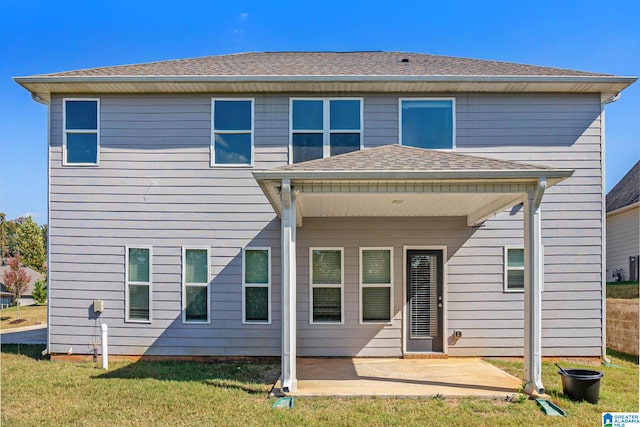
column 396, row 180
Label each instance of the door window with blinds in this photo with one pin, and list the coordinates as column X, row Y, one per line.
column 423, row 305
column 326, row 270
column 138, row 287
column 195, row 285
column 376, row 273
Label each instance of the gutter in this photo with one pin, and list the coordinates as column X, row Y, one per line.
column 623, row 209
column 39, row 100
column 323, row 78
column 455, row 175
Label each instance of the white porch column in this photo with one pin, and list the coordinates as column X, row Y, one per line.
column 288, row 242
column 533, row 284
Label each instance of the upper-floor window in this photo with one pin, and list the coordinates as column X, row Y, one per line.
column 323, row 127
column 427, row 123
column 81, row 140
column 232, row 124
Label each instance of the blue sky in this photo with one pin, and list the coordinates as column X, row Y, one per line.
column 47, row 36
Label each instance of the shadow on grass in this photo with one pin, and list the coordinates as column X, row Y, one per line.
column 253, row 378
column 624, row 356
column 33, row 351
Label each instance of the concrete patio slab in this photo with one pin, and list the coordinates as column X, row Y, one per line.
column 453, row 377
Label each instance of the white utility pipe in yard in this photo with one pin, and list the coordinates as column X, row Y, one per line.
column 105, row 347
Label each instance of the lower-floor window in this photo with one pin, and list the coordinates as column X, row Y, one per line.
column 195, row 279
column 256, row 285
column 514, row 269
column 376, row 273
column 138, row 287
column 327, row 279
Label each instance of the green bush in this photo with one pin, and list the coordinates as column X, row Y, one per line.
column 40, row 292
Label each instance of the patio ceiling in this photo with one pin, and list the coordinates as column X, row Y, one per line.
column 399, row 181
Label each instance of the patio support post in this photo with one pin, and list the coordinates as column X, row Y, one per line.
column 533, row 285
column 289, row 379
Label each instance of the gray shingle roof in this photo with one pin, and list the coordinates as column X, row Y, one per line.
column 325, row 64
column 398, row 158
column 33, row 277
column 627, row 191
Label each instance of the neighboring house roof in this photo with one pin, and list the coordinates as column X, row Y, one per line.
column 34, row 276
column 627, row 191
column 337, row 71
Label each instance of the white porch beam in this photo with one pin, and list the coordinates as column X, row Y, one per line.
column 487, row 211
column 533, row 284
column 289, row 378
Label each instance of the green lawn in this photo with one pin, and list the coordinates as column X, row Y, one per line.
column 623, row 290
column 42, row 393
column 29, row 314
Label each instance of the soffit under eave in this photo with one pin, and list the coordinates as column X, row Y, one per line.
column 43, row 90
column 475, row 200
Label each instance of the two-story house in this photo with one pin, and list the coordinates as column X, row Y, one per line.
column 379, row 204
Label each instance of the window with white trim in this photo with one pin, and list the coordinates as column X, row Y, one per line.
column 376, row 275
column 513, row 269
column 256, row 285
column 323, row 127
column 232, row 125
column 427, row 122
column 81, row 142
column 195, row 285
column 326, row 285
column 138, row 286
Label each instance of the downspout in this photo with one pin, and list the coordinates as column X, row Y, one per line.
column 39, row 100
column 603, row 261
column 289, row 382
column 534, row 283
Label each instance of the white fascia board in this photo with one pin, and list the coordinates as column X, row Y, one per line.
column 456, row 175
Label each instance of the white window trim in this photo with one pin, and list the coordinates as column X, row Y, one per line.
column 326, row 125
column 212, row 147
column 453, row 115
column 376, row 285
column 256, row 285
column 332, row 285
column 507, row 268
column 127, row 283
column 185, row 284
column 66, row 131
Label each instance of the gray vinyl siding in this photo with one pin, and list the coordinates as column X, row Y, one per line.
column 623, row 231
column 154, row 187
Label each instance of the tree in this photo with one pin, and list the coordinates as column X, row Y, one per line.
column 45, row 237
column 7, row 236
column 39, row 292
column 16, row 280
column 29, row 244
